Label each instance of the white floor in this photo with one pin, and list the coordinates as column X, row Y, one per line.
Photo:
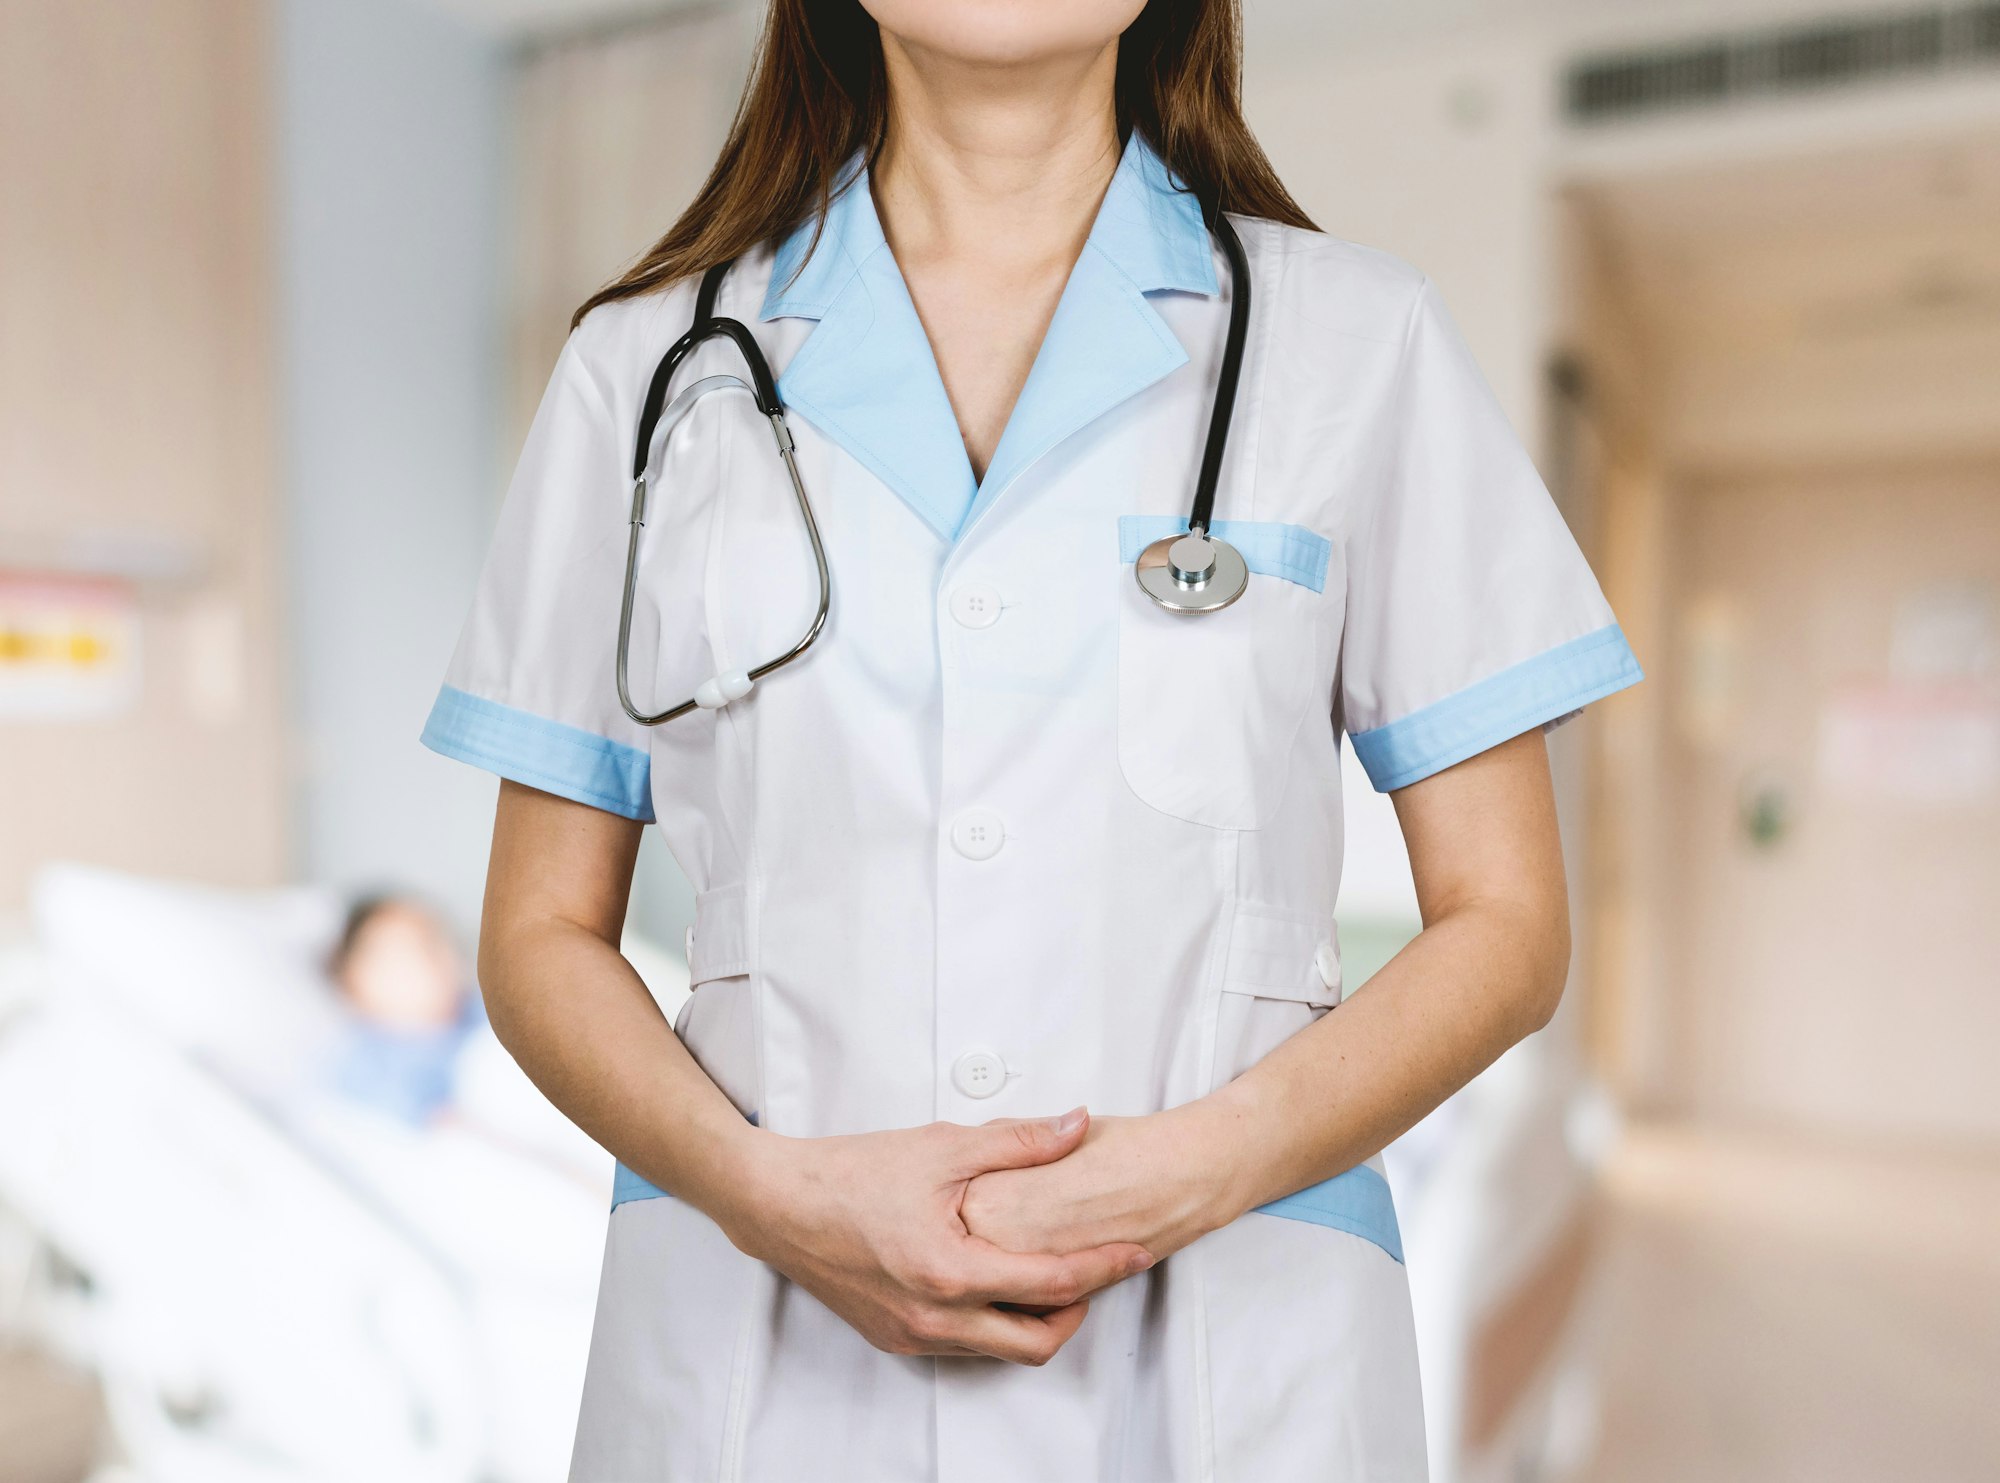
column 49, row 1417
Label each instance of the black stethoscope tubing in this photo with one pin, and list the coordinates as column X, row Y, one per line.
column 1167, row 570
column 1234, row 344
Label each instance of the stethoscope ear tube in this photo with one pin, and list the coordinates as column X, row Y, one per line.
column 1227, row 375
column 718, row 690
column 762, row 385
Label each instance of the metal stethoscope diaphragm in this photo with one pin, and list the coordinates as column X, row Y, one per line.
column 1192, row 573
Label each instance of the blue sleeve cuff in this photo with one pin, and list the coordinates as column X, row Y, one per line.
column 1550, row 687
column 526, row 748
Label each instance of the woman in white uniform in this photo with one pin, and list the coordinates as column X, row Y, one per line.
column 1016, row 1129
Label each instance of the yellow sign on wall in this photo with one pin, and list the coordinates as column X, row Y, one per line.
column 69, row 647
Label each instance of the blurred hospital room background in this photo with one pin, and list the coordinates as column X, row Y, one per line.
column 280, row 281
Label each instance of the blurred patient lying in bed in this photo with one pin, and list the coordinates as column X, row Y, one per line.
column 401, row 980
column 354, row 1023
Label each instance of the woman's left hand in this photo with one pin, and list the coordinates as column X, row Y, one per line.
column 1160, row 1181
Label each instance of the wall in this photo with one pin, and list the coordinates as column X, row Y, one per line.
column 618, row 128
column 1839, row 977
column 395, row 143
column 136, row 425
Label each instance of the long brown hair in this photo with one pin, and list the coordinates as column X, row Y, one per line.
column 818, row 93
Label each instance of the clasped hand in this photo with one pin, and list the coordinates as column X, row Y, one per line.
column 984, row 1240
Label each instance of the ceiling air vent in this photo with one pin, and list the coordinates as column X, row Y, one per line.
column 1789, row 59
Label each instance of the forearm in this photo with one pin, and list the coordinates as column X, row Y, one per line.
column 1470, row 985
column 583, row 1026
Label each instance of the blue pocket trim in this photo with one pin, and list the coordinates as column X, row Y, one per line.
column 1268, row 547
column 525, row 748
column 1550, row 687
column 1356, row 1202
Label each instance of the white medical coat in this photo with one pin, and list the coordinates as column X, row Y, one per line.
column 1011, row 838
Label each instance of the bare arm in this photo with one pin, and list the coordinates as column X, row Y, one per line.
column 869, row 1224
column 1486, row 970
column 572, row 1011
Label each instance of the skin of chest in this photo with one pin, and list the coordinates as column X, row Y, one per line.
column 985, row 319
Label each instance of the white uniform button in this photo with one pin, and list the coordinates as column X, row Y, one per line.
column 979, row 1073
column 978, row 834
column 1327, row 961
column 976, row 604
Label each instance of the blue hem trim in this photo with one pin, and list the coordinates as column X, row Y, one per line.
column 625, row 1185
column 1269, row 547
column 1356, row 1202
column 525, row 748
column 1550, row 687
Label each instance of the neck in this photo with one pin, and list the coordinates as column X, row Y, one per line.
column 994, row 161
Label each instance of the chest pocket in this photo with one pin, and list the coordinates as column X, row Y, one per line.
column 1209, row 703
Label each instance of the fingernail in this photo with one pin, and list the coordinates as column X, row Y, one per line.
column 1140, row 1262
column 1070, row 1121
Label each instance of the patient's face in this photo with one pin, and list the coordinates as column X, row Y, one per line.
column 403, row 970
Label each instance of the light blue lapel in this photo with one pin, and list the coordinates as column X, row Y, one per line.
column 1106, row 342
column 866, row 376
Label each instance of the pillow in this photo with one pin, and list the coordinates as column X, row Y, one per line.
column 236, row 979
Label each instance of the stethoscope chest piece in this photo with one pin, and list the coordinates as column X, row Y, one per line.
column 1191, row 573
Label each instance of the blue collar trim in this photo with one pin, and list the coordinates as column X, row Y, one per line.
column 1149, row 226
column 807, row 276
column 866, row 376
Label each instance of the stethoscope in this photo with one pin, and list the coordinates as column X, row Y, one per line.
column 1192, row 572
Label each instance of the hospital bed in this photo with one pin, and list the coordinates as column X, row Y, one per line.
column 1496, row 1193
column 275, row 1288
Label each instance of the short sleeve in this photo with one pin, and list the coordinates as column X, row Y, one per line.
column 1471, row 615
column 531, row 691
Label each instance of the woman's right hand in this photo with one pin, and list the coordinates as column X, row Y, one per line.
column 869, row 1224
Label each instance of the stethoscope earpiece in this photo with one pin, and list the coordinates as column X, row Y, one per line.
column 1192, row 573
